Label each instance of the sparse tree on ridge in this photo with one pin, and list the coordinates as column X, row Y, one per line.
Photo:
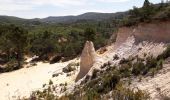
column 146, row 3
column 89, row 34
column 147, row 10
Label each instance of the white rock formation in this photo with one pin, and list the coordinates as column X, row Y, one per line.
column 87, row 59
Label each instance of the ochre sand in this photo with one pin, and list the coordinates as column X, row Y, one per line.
column 22, row 82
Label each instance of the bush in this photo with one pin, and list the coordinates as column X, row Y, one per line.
column 46, row 94
column 94, row 75
column 125, row 70
column 70, row 67
column 124, row 61
column 50, row 82
column 104, row 65
column 55, row 59
column 165, row 54
column 151, row 62
column 160, row 64
column 120, row 93
column 153, row 71
column 87, row 78
column 91, row 95
column 137, row 68
column 110, row 81
column 116, row 57
column 11, row 66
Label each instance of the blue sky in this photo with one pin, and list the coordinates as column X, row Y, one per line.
column 44, row 8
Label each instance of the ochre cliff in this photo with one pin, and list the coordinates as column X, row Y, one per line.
column 153, row 32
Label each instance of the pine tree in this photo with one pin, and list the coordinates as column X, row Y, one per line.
column 162, row 1
column 18, row 38
column 89, row 34
column 147, row 10
column 147, row 5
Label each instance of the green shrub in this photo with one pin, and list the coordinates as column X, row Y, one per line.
column 151, row 62
column 10, row 66
column 124, row 61
column 137, row 68
column 153, row 71
column 87, row 78
column 50, row 82
column 70, row 67
column 91, row 95
column 116, row 57
column 94, row 75
column 165, row 54
column 125, row 70
column 122, row 93
column 105, row 65
column 159, row 64
column 110, row 81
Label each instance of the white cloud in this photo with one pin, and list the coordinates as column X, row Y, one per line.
column 113, row 1
column 37, row 8
column 21, row 5
column 10, row 5
column 25, row 5
column 58, row 2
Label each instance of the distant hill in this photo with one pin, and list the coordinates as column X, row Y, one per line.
column 11, row 19
column 62, row 19
column 18, row 21
column 86, row 16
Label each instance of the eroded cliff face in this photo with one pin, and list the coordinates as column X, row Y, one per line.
column 144, row 40
column 87, row 59
column 129, row 39
column 153, row 32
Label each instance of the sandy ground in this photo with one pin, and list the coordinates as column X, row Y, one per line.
column 22, row 82
column 160, row 83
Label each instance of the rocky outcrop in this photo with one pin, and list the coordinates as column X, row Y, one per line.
column 87, row 59
column 145, row 39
